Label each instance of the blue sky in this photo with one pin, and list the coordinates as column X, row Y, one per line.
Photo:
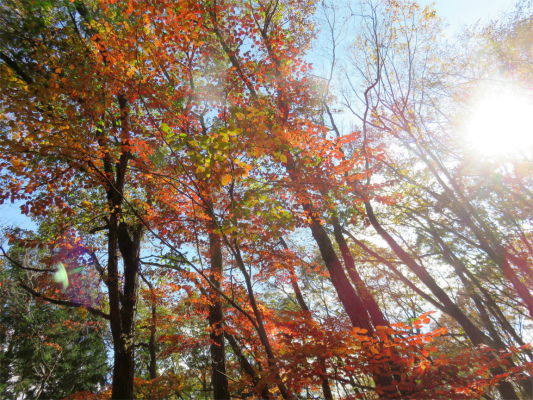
column 467, row 12
column 10, row 215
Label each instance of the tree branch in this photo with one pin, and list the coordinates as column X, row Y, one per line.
column 94, row 311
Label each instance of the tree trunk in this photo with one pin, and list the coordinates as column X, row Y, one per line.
column 354, row 306
column 475, row 335
column 326, row 390
column 123, row 365
column 152, row 346
column 469, row 216
column 377, row 317
column 152, row 369
column 260, row 327
column 123, row 318
column 350, row 300
column 123, row 372
column 462, row 271
column 218, row 357
column 246, row 367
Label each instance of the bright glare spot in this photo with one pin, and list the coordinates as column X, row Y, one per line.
column 501, row 122
column 61, row 275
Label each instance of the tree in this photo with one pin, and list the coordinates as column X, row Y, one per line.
column 407, row 91
column 55, row 71
column 117, row 160
column 176, row 146
column 48, row 351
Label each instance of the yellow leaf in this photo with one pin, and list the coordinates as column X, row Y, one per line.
column 257, row 152
column 226, row 179
column 165, row 128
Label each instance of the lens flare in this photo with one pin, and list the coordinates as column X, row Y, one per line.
column 501, row 122
column 61, row 275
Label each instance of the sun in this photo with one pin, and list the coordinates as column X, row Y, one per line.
column 501, row 122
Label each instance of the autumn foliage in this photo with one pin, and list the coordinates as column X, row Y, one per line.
column 192, row 191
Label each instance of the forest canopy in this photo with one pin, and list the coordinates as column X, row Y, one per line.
column 265, row 199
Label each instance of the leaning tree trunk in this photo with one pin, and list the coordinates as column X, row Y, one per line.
column 353, row 304
column 475, row 335
column 376, row 315
column 246, row 367
column 326, row 390
column 350, row 300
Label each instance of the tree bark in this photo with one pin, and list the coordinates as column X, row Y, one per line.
column 376, row 315
column 152, row 346
column 263, row 336
column 350, row 300
column 123, row 306
column 127, row 240
column 218, row 356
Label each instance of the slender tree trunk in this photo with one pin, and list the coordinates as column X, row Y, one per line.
column 218, row 357
column 462, row 271
column 263, row 336
column 246, row 367
column 152, row 346
column 326, row 390
column 400, row 276
column 475, row 335
column 469, row 216
column 152, row 369
column 453, row 310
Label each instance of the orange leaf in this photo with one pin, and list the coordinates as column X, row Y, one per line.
column 226, row 179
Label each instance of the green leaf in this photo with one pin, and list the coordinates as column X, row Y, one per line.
column 165, row 128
